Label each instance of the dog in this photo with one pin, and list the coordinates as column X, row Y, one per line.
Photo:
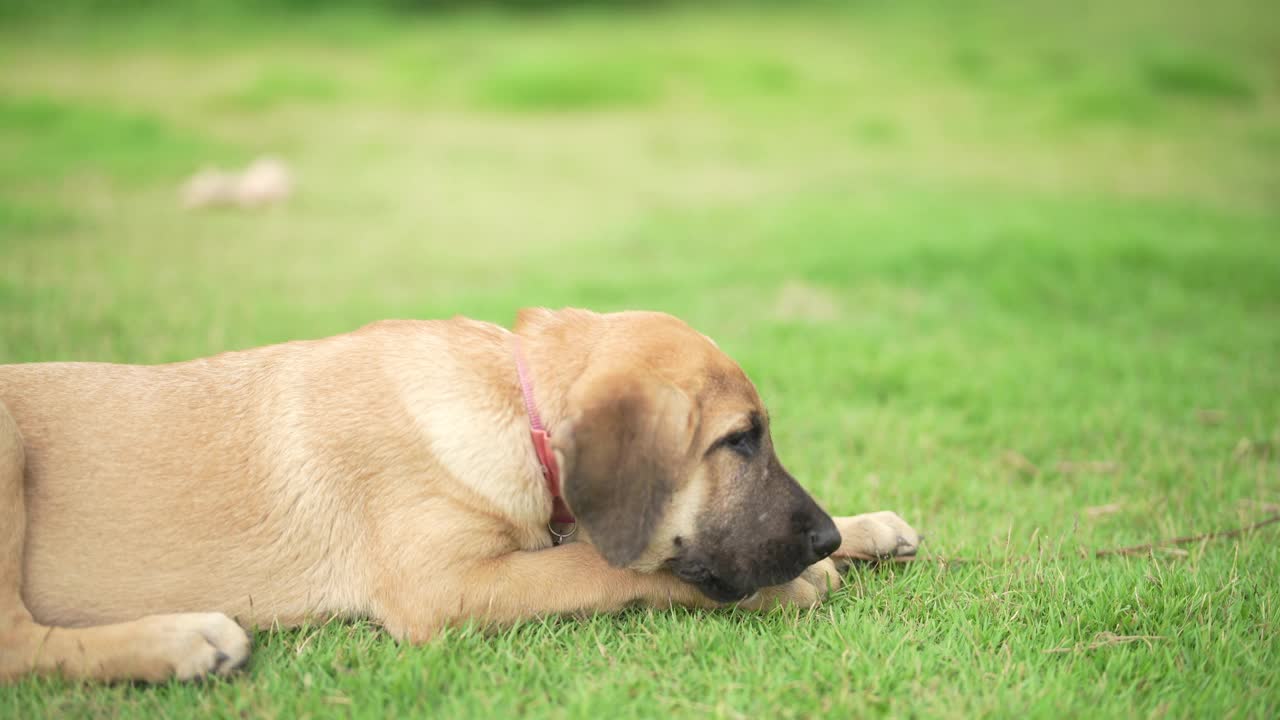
column 408, row 472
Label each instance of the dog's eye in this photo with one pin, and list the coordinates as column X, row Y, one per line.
column 743, row 443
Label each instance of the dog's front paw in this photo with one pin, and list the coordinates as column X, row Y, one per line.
column 875, row 536
column 183, row 646
column 808, row 590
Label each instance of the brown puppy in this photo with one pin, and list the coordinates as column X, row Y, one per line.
column 389, row 473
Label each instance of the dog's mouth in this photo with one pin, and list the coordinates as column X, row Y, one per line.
column 711, row 585
column 720, row 588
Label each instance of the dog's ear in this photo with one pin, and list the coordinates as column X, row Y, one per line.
column 621, row 453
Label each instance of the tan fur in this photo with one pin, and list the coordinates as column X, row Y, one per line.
column 385, row 473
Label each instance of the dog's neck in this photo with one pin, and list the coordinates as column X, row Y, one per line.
column 556, row 348
column 540, row 435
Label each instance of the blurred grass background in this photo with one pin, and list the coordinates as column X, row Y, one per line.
column 1010, row 269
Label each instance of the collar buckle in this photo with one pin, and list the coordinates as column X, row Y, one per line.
column 557, row 537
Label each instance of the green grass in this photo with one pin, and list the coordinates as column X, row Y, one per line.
column 579, row 83
column 44, row 138
column 964, row 253
column 282, row 86
column 1196, row 78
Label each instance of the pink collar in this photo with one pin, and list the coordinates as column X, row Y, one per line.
column 560, row 514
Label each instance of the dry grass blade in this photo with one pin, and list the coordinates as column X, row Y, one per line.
column 1107, row 639
column 1093, row 467
column 1187, row 540
column 1018, row 462
column 1101, row 510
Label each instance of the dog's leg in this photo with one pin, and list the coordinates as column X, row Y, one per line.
column 575, row 578
column 152, row 648
column 501, row 591
column 569, row 579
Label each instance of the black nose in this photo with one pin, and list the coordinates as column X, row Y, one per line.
column 824, row 539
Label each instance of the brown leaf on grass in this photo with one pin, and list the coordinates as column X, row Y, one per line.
column 1248, row 447
column 1210, row 417
column 1092, row 467
column 1107, row 639
column 1019, row 462
column 1262, row 505
column 1097, row 511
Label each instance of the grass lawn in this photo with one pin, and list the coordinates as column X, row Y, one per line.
column 1011, row 270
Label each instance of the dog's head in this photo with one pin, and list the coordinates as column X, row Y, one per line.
column 666, row 455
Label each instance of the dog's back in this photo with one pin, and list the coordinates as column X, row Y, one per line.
column 129, row 472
